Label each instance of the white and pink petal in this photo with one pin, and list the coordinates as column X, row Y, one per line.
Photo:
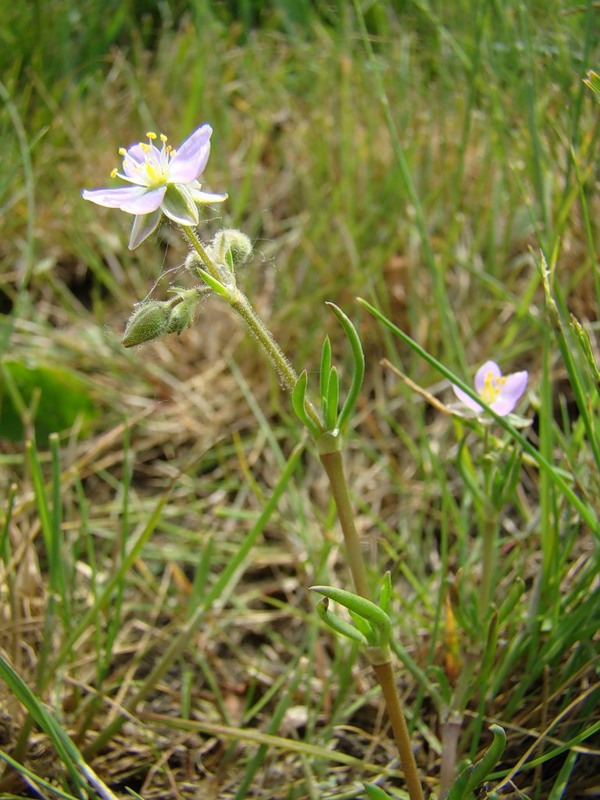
column 150, row 200
column 467, row 401
column 191, row 158
column 114, row 198
column 489, row 368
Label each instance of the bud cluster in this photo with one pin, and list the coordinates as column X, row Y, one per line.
column 228, row 250
column 152, row 319
column 155, row 318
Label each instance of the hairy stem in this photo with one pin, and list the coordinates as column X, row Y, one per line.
column 243, row 308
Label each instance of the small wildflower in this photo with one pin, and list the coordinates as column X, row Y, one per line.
column 165, row 181
column 500, row 392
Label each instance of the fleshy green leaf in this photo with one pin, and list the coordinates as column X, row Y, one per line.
column 474, row 774
column 333, row 399
column 359, row 366
column 339, row 625
column 299, row 404
column 214, row 284
column 324, row 374
column 378, row 619
column 385, row 593
column 376, row 792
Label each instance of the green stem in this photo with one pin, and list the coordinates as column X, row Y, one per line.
column 488, row 566
column 385, row 676
column 333, row 464
column 193, row 240
column 241, row 305
column 489, row 530
column 243, row 308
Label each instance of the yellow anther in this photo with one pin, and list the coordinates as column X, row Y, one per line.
column 122, row 151
column 145, row 147
column 491, row 387
column 163, row 138
column 151, row 135
column 114, row 173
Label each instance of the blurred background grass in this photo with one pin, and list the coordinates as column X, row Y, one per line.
column 499, row 135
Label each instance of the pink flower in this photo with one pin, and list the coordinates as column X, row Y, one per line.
column 500, row 392
column 164, row 181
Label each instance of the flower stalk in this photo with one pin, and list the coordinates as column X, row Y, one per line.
column 333, row 464
column 393, row 704
column 489, row 531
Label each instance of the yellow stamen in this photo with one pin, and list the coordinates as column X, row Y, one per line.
column 114, row 173
column 122, row 151
column 491, row 387
column 150, row 135
column 145, row 147
column 163, row 138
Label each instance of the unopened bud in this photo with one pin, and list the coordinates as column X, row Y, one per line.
column 193, row 263
column 182, row 315
column 149, row 321
column 232, row 247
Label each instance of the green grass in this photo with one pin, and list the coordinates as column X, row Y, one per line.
column 156, row 555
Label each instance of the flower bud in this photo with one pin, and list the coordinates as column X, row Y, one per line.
column 193, row 263
column 182, row 315
column 148, row 321
column 232, row 247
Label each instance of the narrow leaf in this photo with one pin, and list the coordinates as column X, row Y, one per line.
column 333, row 399
column 483, row 767
column 359, row 366
column 324, row 374
column 385, row 593
column 364, row 608
column 299, row 404
column 339, row 625
column 376, row 792
column 214, row 284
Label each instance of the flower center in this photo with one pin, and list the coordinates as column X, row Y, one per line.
column 492, row 386
column 153, row 171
